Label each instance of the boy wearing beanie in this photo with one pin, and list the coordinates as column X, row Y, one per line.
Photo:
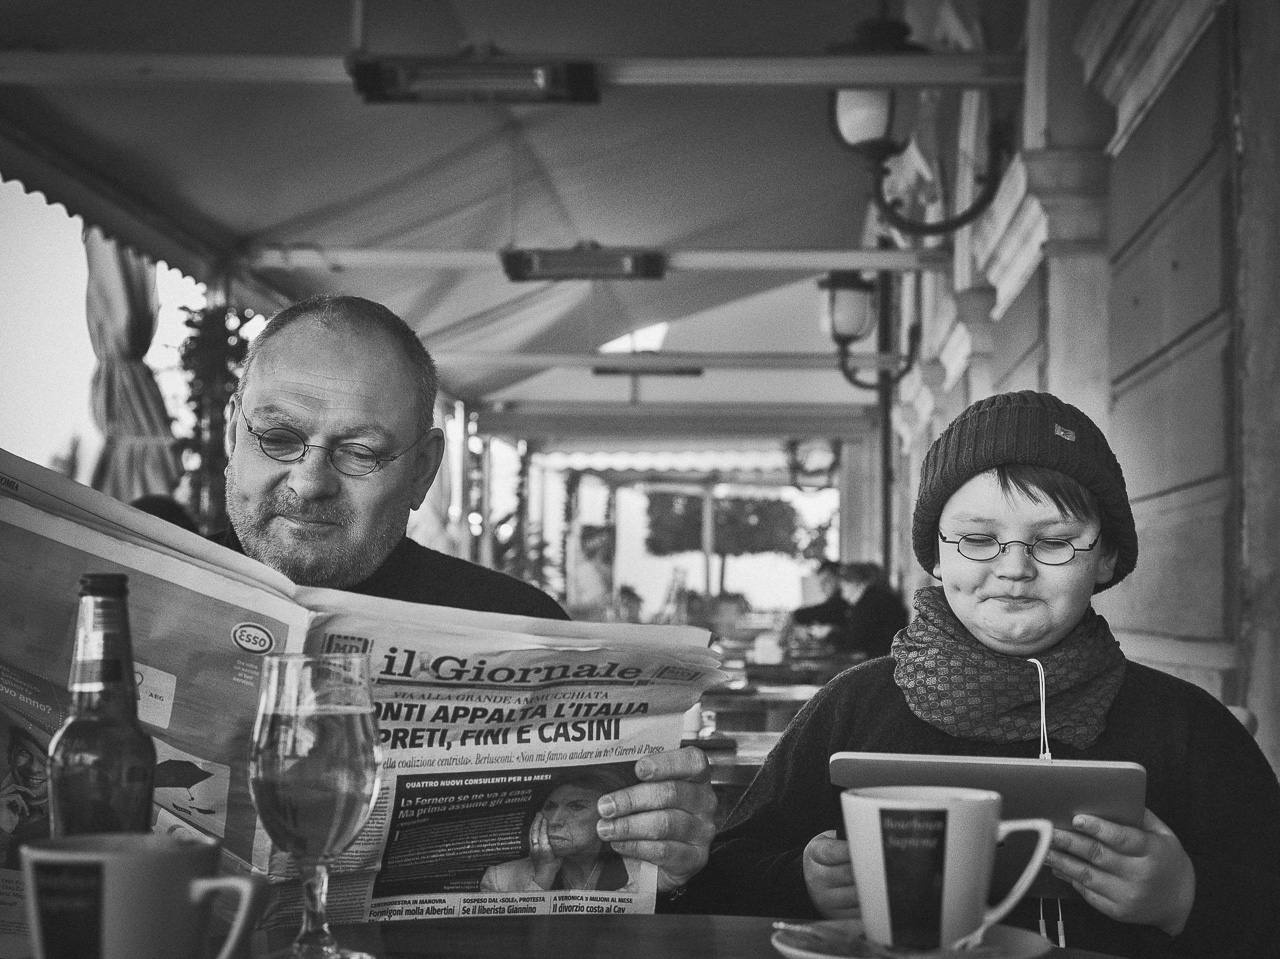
column 1022, row 514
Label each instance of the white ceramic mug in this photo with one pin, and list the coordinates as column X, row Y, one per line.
column 922, row 860
column 126, row 895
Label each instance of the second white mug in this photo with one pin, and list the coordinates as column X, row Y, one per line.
column 923, row 857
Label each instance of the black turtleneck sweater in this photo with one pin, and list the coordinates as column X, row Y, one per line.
column 417, row 574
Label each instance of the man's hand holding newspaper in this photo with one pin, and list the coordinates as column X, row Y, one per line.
column 665, row 818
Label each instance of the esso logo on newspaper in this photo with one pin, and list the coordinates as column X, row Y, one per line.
column 252, row 638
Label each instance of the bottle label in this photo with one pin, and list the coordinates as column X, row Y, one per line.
column 92, row 675
column 102, row 616
column 102, row 645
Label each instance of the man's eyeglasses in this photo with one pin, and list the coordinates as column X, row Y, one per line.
column 1051, row 552
column 350, row 459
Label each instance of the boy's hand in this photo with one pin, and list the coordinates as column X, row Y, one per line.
column 828, row 873
column 1132, row 875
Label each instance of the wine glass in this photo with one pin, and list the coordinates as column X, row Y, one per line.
column 314, row 773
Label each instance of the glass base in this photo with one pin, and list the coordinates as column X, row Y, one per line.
column 315, row 952
column 353, row 941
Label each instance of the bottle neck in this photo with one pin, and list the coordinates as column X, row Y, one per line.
column 102, row 682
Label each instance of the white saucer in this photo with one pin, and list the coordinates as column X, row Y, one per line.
column 847, row 942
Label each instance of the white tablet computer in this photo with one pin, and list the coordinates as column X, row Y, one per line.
column 1054, row 789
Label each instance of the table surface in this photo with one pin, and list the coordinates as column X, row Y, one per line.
column 753, row 707
column 579, row 937
column 764, row 692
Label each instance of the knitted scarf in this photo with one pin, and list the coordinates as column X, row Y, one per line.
column 958, row 685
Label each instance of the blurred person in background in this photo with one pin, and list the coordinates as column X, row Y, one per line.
column 874, row 612
column 859, row 617
column 167, row 508
column 808, row 628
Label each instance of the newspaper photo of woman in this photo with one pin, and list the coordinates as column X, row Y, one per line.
column 24, row 795
column 564, row 850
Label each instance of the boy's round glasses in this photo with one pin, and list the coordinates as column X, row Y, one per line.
column 350, row 459
column 1051, row 552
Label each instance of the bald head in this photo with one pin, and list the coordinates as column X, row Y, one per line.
column 362, row 318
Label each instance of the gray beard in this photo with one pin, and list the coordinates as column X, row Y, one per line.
column 335, row 566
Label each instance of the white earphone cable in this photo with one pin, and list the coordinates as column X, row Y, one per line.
column 1044, row 725
column 1047, row 756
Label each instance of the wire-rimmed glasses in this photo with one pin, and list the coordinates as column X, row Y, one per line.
column 1051, row 551
column 350, row 459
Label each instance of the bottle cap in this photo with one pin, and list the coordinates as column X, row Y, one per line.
column 104, row 584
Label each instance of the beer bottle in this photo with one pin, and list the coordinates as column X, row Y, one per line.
column 101, row 762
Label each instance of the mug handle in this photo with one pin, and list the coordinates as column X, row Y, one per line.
column 1045, row 828
column 245, row 889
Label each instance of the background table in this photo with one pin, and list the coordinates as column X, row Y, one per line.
column 733, row 769
column 579, row 937
column 738, row 766
column 757, row 707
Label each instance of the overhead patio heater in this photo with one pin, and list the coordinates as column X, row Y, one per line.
column 586, row 261
column 472, row 79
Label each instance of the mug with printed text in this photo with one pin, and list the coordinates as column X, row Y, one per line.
column 127, row 895
column 923, row 857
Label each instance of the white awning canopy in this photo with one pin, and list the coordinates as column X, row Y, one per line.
column 227, row 140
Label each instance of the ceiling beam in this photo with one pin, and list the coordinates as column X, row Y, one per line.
column 333, row 259
column 32, row 68
column 937, row 259
column 560, row 422
column 662, row 361
column 693, row 482
column 936, row 70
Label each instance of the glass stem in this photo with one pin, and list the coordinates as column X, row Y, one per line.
column 314, row 939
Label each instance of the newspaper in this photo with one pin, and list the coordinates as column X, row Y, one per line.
column 486, row 721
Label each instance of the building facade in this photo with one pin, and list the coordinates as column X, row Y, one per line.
column 1129, row 264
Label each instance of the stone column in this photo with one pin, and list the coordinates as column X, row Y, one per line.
column 860, row 497
column 1071, row 189
column 975, row 310
column 1051, row 211
column 1258, row 292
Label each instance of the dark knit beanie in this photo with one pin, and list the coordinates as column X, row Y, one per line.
column 1032, row 429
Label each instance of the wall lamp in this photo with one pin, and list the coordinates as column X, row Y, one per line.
column 877, row 123
column 813, row 464
column 852, row 308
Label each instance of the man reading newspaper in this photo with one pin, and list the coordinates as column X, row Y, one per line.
column 331, row 445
